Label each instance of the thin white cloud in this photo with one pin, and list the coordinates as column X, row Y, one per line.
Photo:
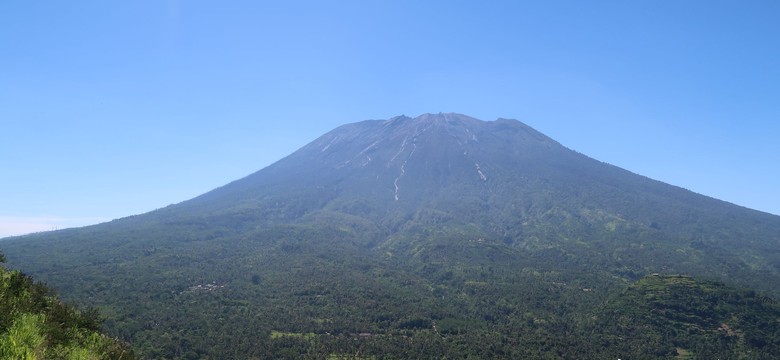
column 22, row 225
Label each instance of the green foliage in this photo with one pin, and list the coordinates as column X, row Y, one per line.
column 453, row 292
column 678, row 315
column 24, row 339
column 34, row 324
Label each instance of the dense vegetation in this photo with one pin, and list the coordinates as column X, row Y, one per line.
column 444, row 299
column 34, row 324
column 436, row 237
column 678, row 316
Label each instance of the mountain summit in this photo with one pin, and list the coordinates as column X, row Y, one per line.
column 426, row 235
column 401, row 162
column 401, row 156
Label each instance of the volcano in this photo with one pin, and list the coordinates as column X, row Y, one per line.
column 421, row 237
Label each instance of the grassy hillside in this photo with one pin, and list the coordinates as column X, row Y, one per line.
column 34, row 324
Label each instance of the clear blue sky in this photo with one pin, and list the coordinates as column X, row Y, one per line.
column 114, row 108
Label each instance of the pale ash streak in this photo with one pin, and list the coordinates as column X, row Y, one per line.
column 369, row 147
column 481, row 174
column 403, row 169
column 403, row 144
column 473, row 137
column 329, row 144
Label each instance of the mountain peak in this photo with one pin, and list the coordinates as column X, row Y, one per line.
column 443, row 138
column 460, row 122
column 408, row 160
column 446, row 117
column 430, row 119
column 437, row 119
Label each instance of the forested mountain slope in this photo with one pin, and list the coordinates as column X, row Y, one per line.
column 679, row 316
column 440, row 234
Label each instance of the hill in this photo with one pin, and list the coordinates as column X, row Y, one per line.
column 34, row 324
column 426, row 236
